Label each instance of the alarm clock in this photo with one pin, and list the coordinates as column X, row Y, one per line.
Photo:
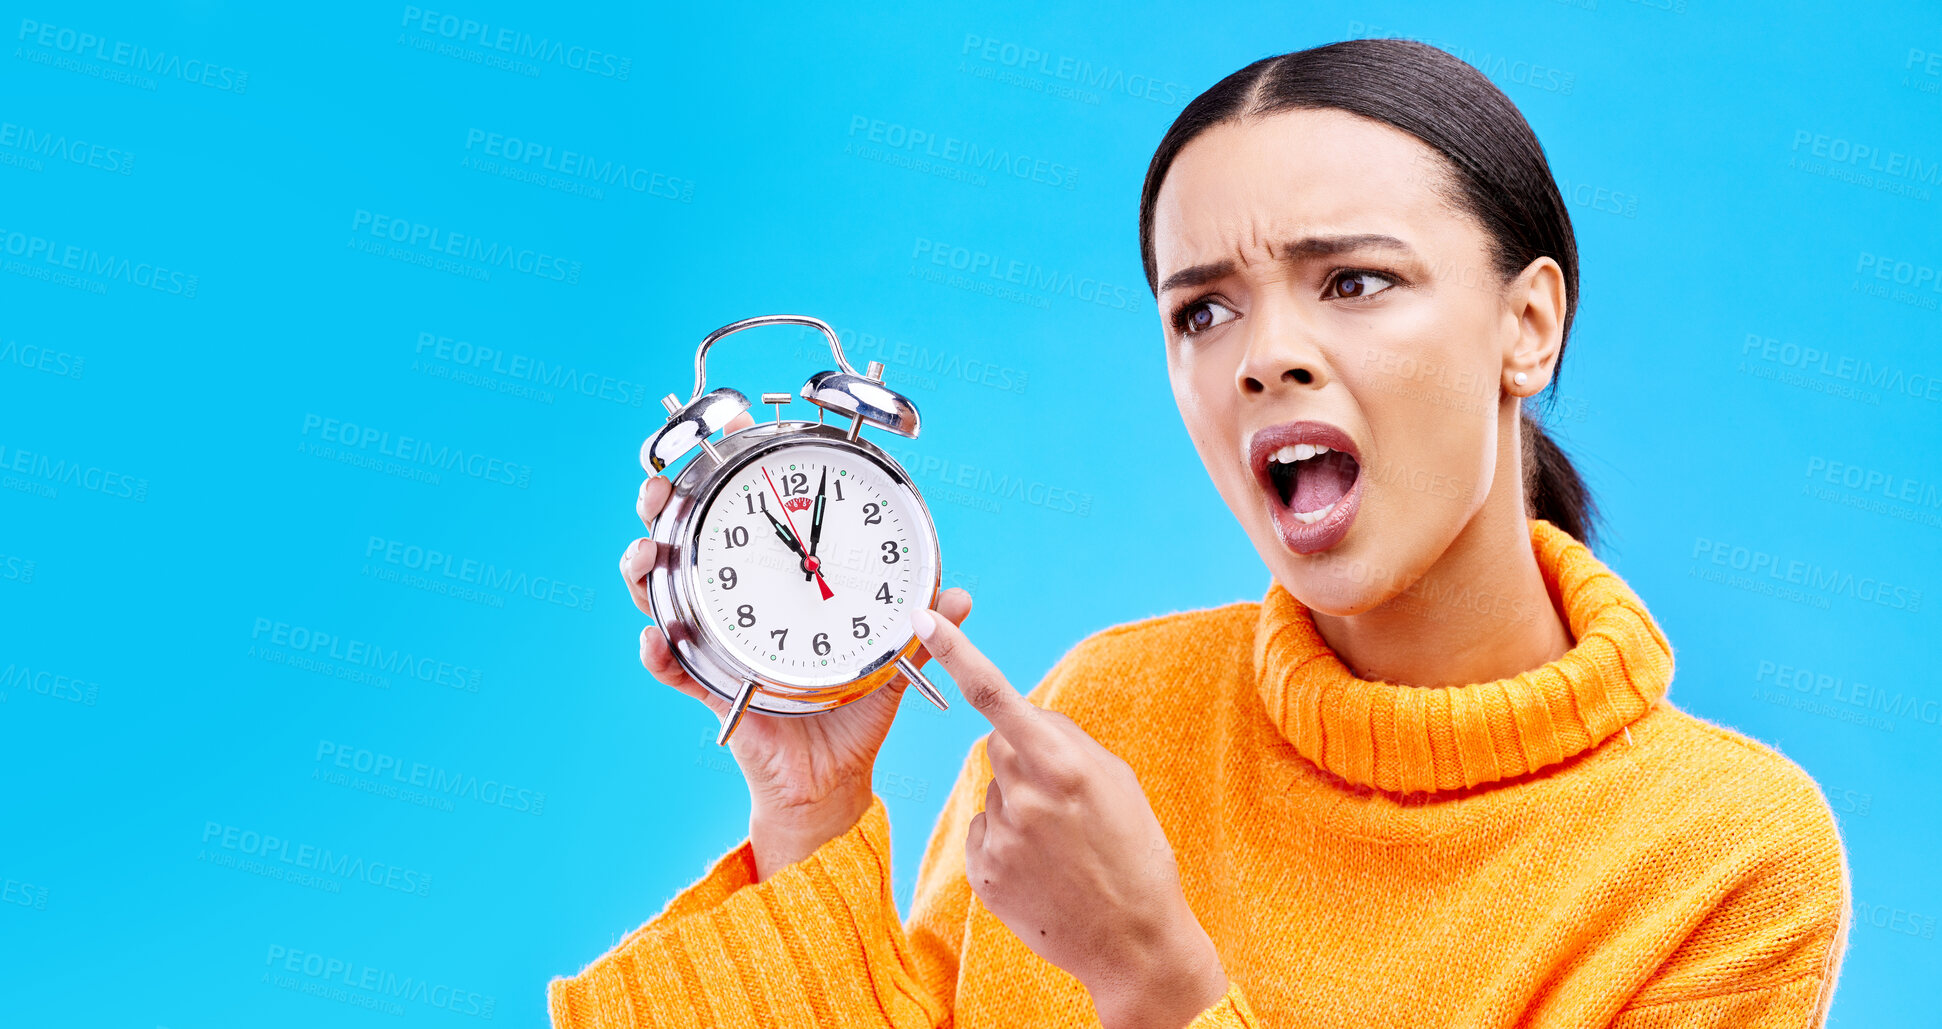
column 791, row 552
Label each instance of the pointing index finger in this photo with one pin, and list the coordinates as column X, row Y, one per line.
column 982, row 684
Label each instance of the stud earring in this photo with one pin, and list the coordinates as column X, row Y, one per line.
column 1520, row 378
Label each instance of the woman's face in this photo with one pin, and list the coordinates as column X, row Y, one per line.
column 1317, row 291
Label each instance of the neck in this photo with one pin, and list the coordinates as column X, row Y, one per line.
column 1482, row 612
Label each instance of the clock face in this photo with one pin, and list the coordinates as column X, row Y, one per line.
column 873, row 558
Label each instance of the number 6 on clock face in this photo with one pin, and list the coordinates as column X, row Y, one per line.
column 808, row 562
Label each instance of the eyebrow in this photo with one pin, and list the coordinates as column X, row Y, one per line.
column 1311, row 246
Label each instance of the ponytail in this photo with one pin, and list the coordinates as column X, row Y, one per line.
column 1553, row 489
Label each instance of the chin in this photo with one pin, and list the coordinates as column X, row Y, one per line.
column 1351, row 576
column 1325, row 590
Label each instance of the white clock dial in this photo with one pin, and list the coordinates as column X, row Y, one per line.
column 874, row 557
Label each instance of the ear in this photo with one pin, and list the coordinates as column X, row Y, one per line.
column 1534, row 311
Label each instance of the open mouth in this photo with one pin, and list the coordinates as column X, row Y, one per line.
column 1312, row 479
column 1312, row 473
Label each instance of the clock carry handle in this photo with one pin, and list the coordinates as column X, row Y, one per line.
column 860, row 397
column 701, row 353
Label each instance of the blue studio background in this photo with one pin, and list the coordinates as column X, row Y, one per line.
column 246, row 310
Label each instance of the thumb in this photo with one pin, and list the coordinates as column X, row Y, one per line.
column 982, row 684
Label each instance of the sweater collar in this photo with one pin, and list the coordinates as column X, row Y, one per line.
column 1407, row 738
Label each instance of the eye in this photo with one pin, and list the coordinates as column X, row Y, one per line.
column 1355, row 284
column 1201, row 315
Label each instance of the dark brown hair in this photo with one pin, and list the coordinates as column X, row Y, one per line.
column 1496, row 169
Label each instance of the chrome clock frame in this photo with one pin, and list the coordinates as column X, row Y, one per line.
column 674, row 589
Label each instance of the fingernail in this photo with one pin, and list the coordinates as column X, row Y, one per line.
column 923, row 623
column 629, row 565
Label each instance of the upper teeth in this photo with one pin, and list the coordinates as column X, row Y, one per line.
column 1299, row 452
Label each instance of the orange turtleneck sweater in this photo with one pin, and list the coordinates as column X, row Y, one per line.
column 1561, row 848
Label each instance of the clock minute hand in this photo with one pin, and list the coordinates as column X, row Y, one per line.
column 809, row 564
column 816, row 517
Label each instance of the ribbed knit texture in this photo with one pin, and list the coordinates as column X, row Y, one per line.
column 1407, row 739
column 1562, row 848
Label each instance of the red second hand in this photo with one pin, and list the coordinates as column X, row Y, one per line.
column 808, row 562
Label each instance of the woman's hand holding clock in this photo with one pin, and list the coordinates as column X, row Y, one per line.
column 809, row 778
column 1069, row 855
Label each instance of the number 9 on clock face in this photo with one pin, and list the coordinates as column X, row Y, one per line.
column 808, row 563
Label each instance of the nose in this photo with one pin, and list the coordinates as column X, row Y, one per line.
column 1281, row 355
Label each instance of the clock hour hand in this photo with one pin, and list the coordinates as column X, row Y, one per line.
column 788, row 538
column 816, row 518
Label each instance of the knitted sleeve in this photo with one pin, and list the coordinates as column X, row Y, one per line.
column 1767, row 951
column 817, row 943
column 1794, row 1005
column 1229, row 1012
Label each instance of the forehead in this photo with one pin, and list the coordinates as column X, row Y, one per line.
column 1243, row 185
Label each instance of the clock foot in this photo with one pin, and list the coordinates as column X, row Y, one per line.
column 734, row 716
column 924, row 686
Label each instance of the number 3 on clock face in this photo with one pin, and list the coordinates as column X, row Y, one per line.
column 792, row 516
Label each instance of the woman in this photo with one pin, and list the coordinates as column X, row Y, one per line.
column 1431, row 778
